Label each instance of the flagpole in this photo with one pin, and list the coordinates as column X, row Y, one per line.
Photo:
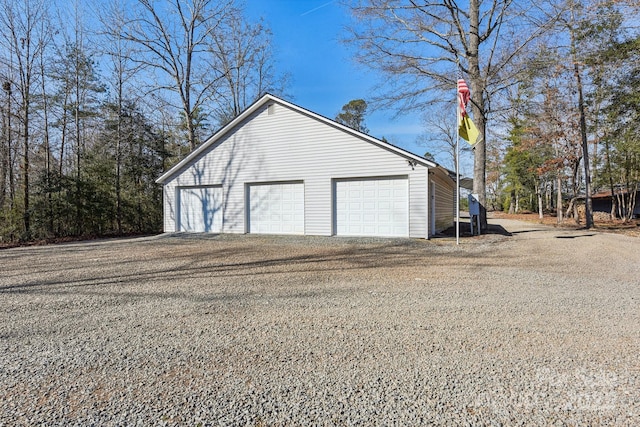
column 457, row 162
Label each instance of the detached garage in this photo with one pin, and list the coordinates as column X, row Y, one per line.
column 280, row 169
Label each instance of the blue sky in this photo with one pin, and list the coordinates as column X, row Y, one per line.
column 307, row 44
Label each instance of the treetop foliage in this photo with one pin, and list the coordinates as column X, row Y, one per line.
column 353, row 114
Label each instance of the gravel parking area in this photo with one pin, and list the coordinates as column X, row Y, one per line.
column 538, row 328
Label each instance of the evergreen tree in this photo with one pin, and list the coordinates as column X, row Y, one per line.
column 353, row 114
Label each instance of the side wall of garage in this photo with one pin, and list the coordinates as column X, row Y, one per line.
column 445, row 210
column 277, row 144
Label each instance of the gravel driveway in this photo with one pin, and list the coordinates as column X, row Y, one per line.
column 538, row 328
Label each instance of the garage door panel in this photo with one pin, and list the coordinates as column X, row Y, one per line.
column 372, row 207
column 369, row 205
column 276, row 208
column 200, row 209
column 369, row 217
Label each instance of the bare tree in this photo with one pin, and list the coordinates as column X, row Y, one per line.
column 45, row 29
column 242, row 55
column 23, row 42
column 441, row 137
column 571, row 25
column 173, row 37
column 78, row 96
column 420, row 45
column 123, row 69
column 6, row 165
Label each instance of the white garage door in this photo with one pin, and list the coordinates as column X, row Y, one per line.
column 201, row 209
column 276, row 208
column 372, row 207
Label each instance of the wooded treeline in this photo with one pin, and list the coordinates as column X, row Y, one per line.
column 577, row 99
column 554, row 91
column 99, row 98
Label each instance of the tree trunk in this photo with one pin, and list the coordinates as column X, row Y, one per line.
column 12, row 188
column 12, row 194
column 26, row 109
column 78, row 196
column 5, row 163
column 119, row 153
column 570, row 210
column 585, row 150
column 63, row 132
column 3, row 160
column 512, row 203
column 25, row 161
column 540, row 210
column 607, row 163
column 47, row 143
column 620, row 205
column 559, row 204
column 548, row 193
column 478, row 108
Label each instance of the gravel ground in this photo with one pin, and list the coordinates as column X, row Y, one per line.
column 538, row 328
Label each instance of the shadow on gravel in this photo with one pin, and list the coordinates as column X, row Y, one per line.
column 196, row 261
column 465, row 231
column 573, row 237
column 528, row 231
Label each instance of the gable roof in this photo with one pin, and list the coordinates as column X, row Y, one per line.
column 267, row 98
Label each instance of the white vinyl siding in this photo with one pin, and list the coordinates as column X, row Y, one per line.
column 200, row 209
column 290, row 145
column 445, row 206
column 372, row 207
column 276, row 208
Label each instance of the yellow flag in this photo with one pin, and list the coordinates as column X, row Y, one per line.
column 468, row 130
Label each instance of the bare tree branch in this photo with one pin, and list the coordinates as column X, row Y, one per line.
column 419, row 45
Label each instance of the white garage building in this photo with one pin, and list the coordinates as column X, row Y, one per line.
column 280, row 169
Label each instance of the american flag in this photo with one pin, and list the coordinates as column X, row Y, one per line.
column 464, row 94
